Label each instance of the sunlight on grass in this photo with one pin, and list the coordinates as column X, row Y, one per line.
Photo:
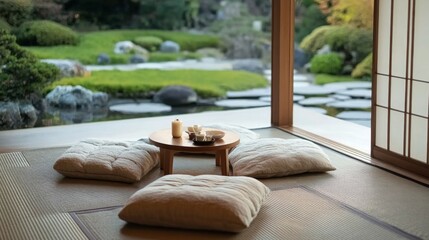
column 144, row 82
column 94, row 43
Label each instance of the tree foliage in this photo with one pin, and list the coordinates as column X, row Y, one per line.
column 22, row 74
column 15, row 11
column 358, row 13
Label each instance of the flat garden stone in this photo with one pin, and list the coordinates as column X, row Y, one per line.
column 241, row 103
column 297, row 98
column 315, row 101
column 265, row 99
column 356, row 93
column 130, row 108
column 350, row 85
column 354, row 115
column 176, row 95
column 252, row 93
column 314, row 90
column 340, row 97
column 351, row 104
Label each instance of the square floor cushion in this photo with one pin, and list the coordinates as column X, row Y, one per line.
column 210, row 202
column 124, row 161
column 277, row 157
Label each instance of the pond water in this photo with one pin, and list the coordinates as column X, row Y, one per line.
column 350, row 101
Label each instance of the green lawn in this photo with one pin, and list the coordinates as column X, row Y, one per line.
column 93, row 43
column 321, row 79
column 141, row 83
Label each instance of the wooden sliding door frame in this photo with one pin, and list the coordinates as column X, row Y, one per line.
column 283, row 28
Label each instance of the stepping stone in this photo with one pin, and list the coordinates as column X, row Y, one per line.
column 341, row 97
column 297, row 98
column 351, row 104
column 252, row 93
column 131, row 108
column 315, row 101
column 300, row 78
column 350, row 85
column 318, row 110
column 265, row 99
column 313, row 90
column 354, row 115
column 301, row 84
column 356, row 93
column 241, row 103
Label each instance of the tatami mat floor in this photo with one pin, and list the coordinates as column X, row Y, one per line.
column 38, row 203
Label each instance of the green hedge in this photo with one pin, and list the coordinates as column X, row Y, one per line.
column 364, row 68
column 93, row 43
column 327, row 63
column 148, row 42
column 341, row 39
column 140, row 83
column 45, row 33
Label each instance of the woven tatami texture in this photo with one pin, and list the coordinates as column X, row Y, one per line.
column 25, row 214
column 296, row 213
column 35, row 200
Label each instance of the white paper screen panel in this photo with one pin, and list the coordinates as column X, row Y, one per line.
column 384, row 38
column 421, row 41
column 419, row 142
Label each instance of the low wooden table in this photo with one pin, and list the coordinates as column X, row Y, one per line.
column 169, row 145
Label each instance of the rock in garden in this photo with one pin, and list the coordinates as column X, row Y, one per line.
column 10, row 117
column 300, row 57
column 250, row 65
column 68, row 68
column 103, row 58
column 123, row 47
column 176, row 96
column 28, row 115
column 170, row 46
column 74, row 97
column 137, row 58
column 14, row 115
column 100, row 99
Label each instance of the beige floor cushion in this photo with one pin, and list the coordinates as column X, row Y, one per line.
column 244, row 133
column 108, row 160
column 277, row 157
column 210, row 202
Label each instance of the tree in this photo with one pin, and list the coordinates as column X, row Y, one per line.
column 358, row 13
column 21, row 74
column 166, row 14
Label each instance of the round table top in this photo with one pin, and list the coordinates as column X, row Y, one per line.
column 164, row 139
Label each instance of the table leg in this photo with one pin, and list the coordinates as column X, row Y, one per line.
column 168, row 161
column 224, row 162
column 218, row 159
column 161, row 158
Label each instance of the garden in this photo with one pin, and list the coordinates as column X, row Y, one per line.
column 72, row 61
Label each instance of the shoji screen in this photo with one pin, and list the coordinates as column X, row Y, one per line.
column 401, row 84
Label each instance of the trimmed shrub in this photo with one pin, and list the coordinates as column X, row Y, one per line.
column 45, row 33
column 148, row 42
column 326, row 63
column 337, row 37
column 364, row 68
column 360, row 41
column 15, row 11
column 22, row 75
column 316, row 39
